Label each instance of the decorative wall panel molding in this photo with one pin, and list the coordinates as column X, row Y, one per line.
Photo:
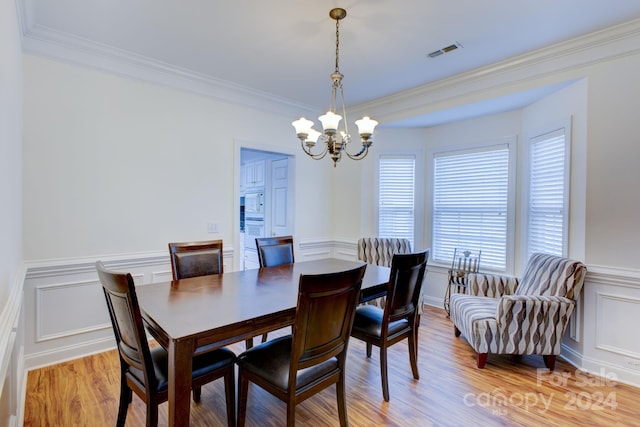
column 67, row 309
column 615, row 316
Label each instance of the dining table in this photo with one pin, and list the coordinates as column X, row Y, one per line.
column 200, row 314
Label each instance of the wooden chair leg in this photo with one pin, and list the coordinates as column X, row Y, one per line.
column 243, row 389
column 342, row 403
column 197, row 392
column 482, row 360
column 264, row 337
column 125, row 400
column 384, row 373
column 550, row 361
column 413, row 356
column 369, row 347
column 152, row 413
column 230, row 395
column 456, row 331
column 291, row 414
column 248, row 343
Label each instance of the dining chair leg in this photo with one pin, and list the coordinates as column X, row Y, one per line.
column 413, row 356
column 384, row 373
column 369, row 347
column 125, row 400
column 291, row 414
column 197, row 392
column 264, row 337
column 243, row 389
column 230, row 395
column 342, row 403
column 248, row 343
column 152, row 413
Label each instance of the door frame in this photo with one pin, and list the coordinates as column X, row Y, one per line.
column 238, row 145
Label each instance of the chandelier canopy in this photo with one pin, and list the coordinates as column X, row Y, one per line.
column 334, row 136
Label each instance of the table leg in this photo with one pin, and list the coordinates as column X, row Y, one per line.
column 180, row 361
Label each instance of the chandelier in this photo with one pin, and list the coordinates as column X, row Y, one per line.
column 334, row 137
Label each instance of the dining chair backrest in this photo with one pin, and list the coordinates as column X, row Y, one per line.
column 274, row 251
column 405, row 285
column 131, row 340
column 192, row 259
column 324, row 317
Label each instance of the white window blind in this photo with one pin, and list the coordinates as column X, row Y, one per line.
column 396, row 197
column 470, row 204
column 547, row 213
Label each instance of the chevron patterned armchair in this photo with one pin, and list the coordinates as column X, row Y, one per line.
column 504, row 315
column 380, row 251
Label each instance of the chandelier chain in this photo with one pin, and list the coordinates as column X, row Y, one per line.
column 337, row 44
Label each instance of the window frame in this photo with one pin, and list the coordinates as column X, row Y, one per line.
column 526, row 183
column 511, row 142
column 418, row 197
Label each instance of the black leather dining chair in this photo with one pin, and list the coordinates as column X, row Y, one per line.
column 145, row 371
column 273, row 251
column 400, row 317
column 192, row 259
column 295, row 367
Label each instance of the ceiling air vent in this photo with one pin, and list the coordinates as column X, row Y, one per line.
column 446, row 49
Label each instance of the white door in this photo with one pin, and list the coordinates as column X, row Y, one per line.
column 281, row 206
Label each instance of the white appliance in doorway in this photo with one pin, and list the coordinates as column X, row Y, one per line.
column 254, row 204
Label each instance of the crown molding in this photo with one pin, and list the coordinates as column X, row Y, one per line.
column 46, row 42
column 569, row 56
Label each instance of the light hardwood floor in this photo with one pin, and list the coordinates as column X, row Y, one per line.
column 510, row 391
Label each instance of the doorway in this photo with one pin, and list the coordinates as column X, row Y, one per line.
column 266, row 200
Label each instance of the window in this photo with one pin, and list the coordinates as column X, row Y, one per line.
column 471, row 204
column 396, row 196
column 547, row 194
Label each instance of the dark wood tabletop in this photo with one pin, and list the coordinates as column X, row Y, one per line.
column 209, row 312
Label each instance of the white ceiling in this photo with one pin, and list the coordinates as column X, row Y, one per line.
column 286, row 48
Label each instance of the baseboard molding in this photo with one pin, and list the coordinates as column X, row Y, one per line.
column 433, row 301
column 71, row 352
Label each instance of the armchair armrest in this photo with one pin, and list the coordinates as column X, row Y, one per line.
column 533, row 322
column 490, row 285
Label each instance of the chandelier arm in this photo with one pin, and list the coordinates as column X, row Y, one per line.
column 317, row 156
column 359, row 155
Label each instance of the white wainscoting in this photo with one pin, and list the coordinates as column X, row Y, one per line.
column 65, row 312
column 12, row 371
column 609, row 320
column 65, row 316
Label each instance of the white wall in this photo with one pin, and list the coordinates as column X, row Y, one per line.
column 114, row 165
column 11, row 274
column 10, row 148
column 613, row 198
